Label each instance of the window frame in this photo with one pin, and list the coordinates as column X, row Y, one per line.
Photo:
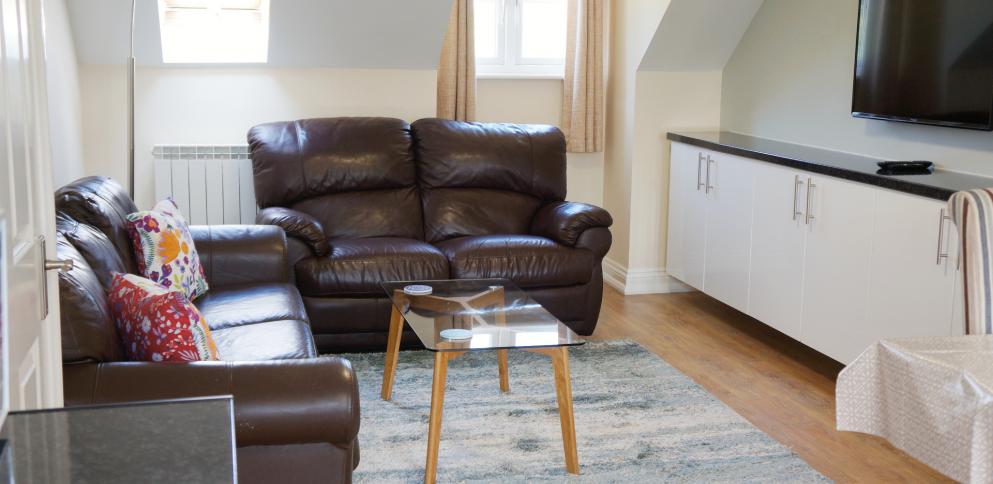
column 510, row 63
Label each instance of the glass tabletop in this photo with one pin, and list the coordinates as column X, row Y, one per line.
column 498, row 314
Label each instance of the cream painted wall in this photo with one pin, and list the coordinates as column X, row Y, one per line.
column 666, row 101
column 64, row 105
column 219, row 105
column 791, row 79
column 632, row 26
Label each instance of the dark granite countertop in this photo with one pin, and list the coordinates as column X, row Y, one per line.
column 186, row 440
column 939, row 185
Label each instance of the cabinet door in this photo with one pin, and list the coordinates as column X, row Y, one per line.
column 679, row 191
column 912, row 270
column 775, row 285
column 729, row 225
column 687, row 216
column 836, row 266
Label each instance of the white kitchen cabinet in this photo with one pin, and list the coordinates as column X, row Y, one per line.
column 833, row 263
column 778, row 233
column 839, row 228
column 728, row 187
column 687, row 215
column 913, row 260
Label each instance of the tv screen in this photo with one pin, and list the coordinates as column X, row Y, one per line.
column 925, row 61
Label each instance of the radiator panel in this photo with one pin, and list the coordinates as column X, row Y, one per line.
column 211, row 184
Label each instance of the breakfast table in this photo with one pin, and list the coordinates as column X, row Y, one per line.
column 930, row 397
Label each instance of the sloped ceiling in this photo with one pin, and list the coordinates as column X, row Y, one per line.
column 398, row 34
column 698, row 35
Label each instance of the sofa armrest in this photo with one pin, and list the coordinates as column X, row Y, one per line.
column 565, row 222
column 241, row 254
column 297, row 225
column 277, row 402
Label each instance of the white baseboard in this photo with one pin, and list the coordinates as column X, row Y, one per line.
column 640, row 281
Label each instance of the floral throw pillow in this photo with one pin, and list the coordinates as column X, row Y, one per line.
column 163, row 247
column 156, row 323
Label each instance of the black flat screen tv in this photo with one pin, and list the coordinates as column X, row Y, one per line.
column 925, row 61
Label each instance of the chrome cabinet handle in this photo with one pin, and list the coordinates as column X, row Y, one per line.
column 709, row 186
column 941, row 236
column 61, row 265
column 810, row 186
column 699, row 162
column 796, row 196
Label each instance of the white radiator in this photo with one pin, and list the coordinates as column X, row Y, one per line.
column 211, row 184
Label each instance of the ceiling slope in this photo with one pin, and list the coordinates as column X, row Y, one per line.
column 698, row 35
column 373, row 34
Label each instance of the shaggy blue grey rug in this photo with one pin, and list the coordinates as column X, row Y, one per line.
column 637, row 420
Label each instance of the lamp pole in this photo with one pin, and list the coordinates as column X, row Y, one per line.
column 130, row 95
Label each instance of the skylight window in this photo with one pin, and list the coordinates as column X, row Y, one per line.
column 214, row 31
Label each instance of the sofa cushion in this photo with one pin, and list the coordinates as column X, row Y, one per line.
column 88, row 332
column 93, row 245
column 358, row 266
column 273, row 340
column 103, row 203
column 165, row 251
column 486, row 178
column 156, row 323
column 356, row 176
column 231, row 306
column 528, row 260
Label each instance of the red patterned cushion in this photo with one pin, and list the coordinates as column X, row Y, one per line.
column 156, row 323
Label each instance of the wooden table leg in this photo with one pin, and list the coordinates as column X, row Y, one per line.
column 563, row 390
column 392, row 352
column 504, row 372
column 437, row 404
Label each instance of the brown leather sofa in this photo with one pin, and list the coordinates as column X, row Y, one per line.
column 368, row 200
column 296, row 414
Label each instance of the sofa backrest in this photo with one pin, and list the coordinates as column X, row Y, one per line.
column 104, row 204
column 88, row 331
column 486, row 178
column 354, row 175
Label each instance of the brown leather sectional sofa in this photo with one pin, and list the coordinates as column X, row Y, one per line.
column 367, row 200
column 296, row 414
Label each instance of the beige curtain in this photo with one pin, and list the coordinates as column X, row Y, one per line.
column 582, row 94
column 457, row 68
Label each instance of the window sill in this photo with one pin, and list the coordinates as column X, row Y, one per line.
column 521, row 76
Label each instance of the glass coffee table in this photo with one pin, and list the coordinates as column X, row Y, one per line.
column 498, row 316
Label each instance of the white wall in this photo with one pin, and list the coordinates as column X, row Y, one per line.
column 64, row 107
column 219, row 105
column 791, row 79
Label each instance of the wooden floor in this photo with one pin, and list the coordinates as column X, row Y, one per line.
column 781, row 386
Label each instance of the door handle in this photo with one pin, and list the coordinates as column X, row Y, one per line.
column 810, row 189
column 941, row 236
column 61, row 265
column 796, row 196
column 699, row 162
column 709, row 186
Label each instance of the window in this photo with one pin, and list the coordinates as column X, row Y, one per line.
column 214, row 31
column 520, row 38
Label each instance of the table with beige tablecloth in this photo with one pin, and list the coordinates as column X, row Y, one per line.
column 931, row 397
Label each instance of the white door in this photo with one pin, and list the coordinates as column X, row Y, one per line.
column 729, row 225
column 687, row 215
column 775, row 283
column 836, row 266
column 32, row 363
column 912, row 272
